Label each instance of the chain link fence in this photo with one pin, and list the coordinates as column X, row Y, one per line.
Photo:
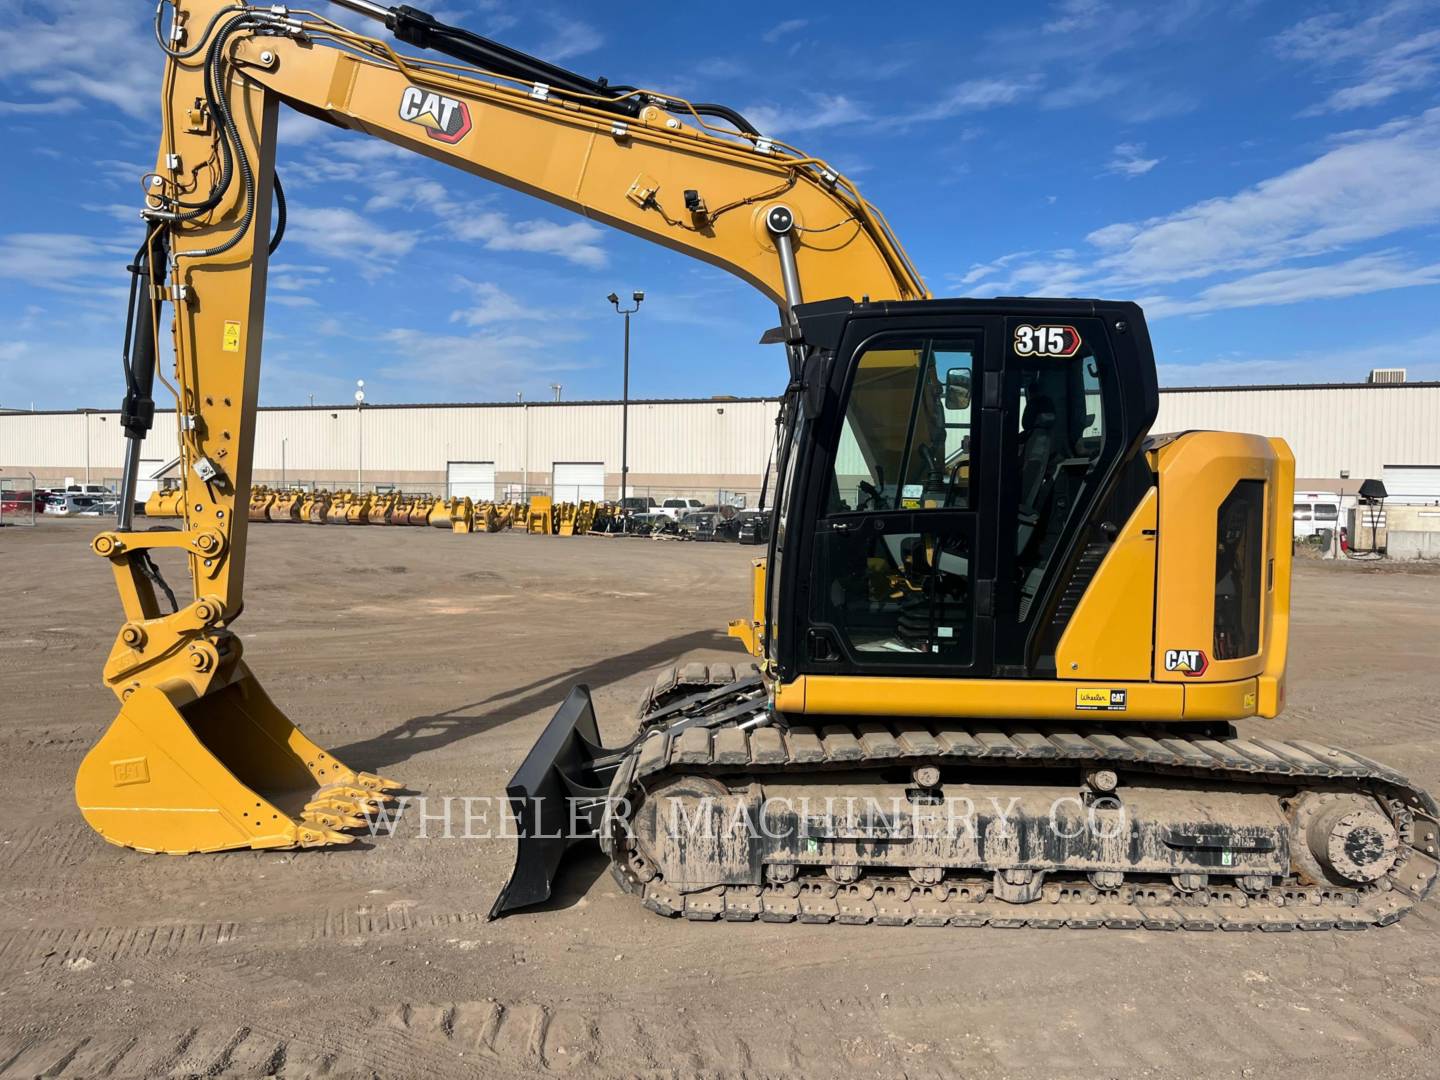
column 19, row 500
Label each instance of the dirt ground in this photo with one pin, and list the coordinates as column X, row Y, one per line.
column 436, row 659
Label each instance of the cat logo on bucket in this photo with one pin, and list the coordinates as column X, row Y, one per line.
column 1189, row 662
column 444, row 119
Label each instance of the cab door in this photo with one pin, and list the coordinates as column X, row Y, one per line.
column 900, row 575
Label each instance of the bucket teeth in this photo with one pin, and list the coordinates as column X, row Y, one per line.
column 352, row 794
column 376, row 783
column 312, row 835
column 332, row 818
column 344, row 807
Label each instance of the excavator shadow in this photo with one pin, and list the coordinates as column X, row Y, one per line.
column 420, row 734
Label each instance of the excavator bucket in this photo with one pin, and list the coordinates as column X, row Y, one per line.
column 539, row 517
column 180, row 774
column 462, row 515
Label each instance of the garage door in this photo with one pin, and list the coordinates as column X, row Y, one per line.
column 1415, row 483
column 147, row 480
column 473, row 478
column 579, row 480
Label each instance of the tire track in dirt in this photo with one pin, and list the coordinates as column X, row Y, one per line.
column 351, row 922
column 51, row 946
column 49, row 847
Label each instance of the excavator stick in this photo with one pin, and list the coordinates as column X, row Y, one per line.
column 176, row 773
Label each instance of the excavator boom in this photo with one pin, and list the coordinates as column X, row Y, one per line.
column 200, row 758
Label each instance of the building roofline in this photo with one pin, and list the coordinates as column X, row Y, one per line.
column 718, row 401
column 1299, row 386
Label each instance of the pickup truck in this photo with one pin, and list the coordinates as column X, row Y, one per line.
column 678, row 508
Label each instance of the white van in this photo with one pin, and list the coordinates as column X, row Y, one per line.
column 1317, row 510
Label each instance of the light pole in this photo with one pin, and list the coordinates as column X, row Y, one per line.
column 282, row 461
column 359, row 434
column 637, row 296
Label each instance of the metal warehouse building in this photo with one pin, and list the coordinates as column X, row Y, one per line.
column 1341, row 433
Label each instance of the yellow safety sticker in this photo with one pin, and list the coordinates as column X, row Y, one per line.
column 1104, row 699
column 231, row 342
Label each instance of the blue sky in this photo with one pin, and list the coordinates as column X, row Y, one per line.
column 1264, row 177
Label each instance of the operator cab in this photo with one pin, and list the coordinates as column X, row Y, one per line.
column 946, row 477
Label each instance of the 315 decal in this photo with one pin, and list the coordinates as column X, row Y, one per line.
column 1059, row 341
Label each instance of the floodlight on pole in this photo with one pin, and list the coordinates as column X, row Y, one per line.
column 637, row 296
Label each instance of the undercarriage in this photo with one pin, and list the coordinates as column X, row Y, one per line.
column 720, row 810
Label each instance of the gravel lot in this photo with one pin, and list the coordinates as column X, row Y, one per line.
column 436, row 659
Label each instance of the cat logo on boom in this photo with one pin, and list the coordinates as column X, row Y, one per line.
column 444, row 119
column 1189, row 662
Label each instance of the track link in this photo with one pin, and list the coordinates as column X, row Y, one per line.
column 699, row 730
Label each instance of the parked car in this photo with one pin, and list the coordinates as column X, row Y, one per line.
column 18, row 502
column 752, row 526
column 698, row 526
column 638, row 504
column 73, row 506
column 678, row 508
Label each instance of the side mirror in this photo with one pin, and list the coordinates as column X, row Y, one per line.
column 957, row 389
column 816, row 374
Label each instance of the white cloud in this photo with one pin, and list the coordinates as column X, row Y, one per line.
column 297, row 129
column 1129, row 160
column 492, row 304
column 1273, row 243
column 297, row 277
column 825, row 111
column 975, row 95
column 67, row 49
column 409, row 194
column 1375, row 184
column 1345, row 364
column 1389, row 51
column 1332, row 281
column 486, row 366
column 1090, row 87
column 569, row 38
column 39, row 108
column 783, row 29
column 338, row 232
column 67, row 262
column 1072, row 16
column 577, row 242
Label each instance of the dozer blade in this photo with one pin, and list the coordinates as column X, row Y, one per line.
column 179, row 774
column 558, row 798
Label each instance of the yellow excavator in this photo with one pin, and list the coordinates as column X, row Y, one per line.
column 1002, row 633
